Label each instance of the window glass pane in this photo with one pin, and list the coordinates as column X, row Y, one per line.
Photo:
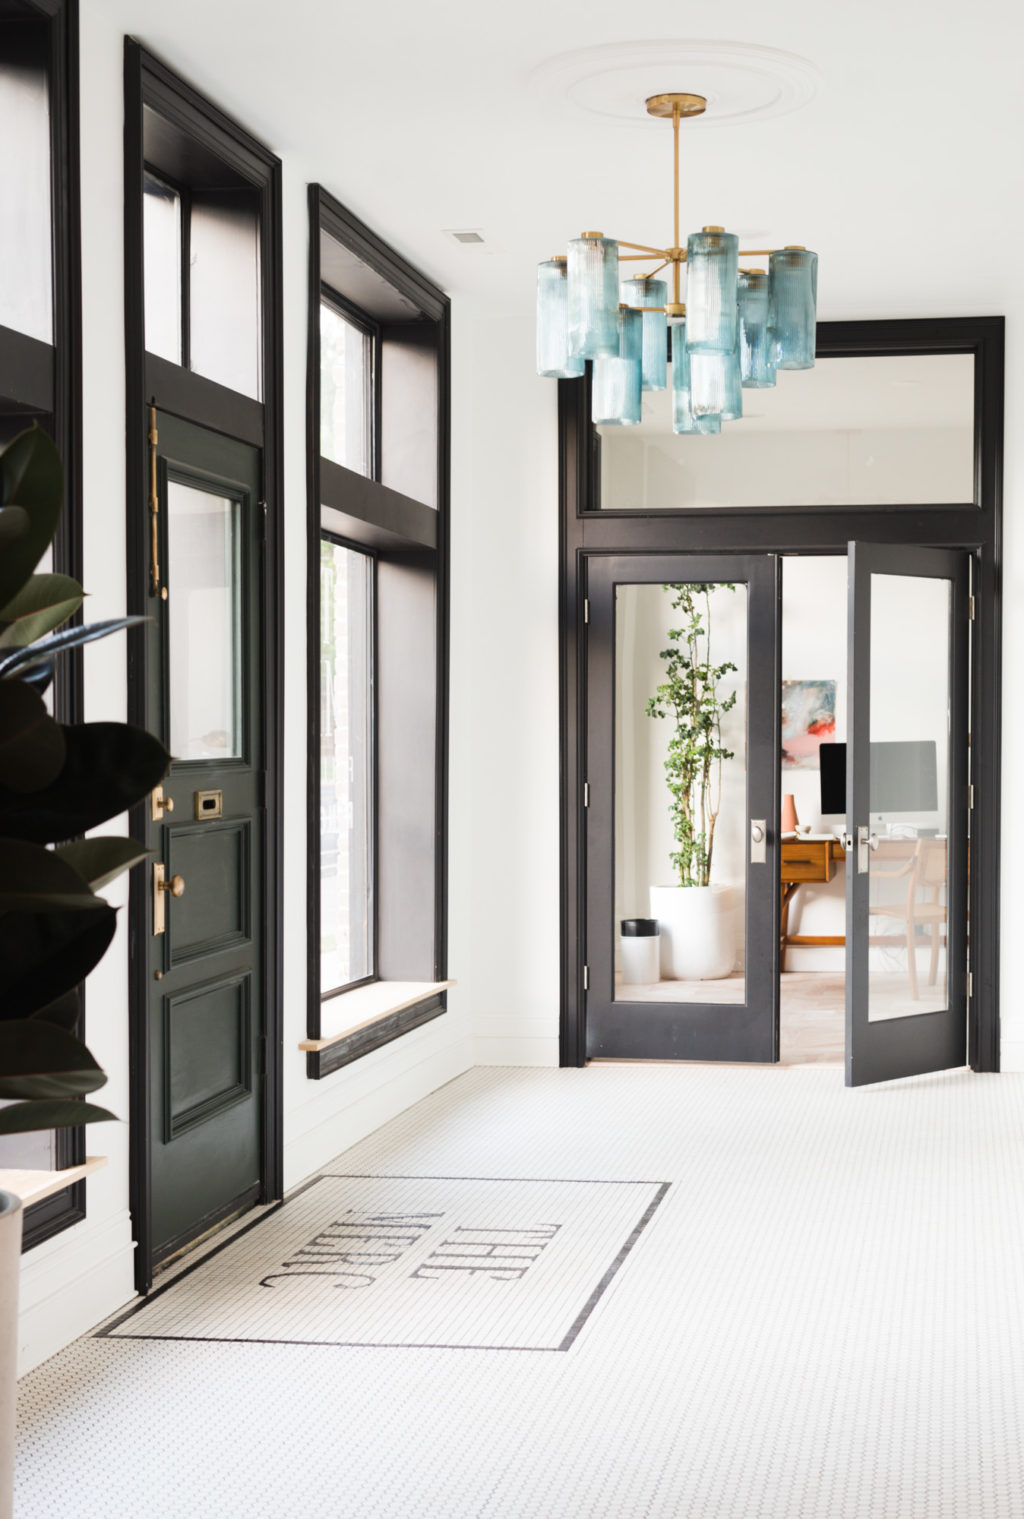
column 161, row 225
column 681, row 790
column 864, row 431
column 908, row 794
column 203, row 609
column 225, row 325
column 346, row 361
column 26, row 283
column 346, row 767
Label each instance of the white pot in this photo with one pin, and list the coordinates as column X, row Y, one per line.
column 10, row 1269
column 698, row 936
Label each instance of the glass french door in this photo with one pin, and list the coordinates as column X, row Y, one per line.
column 682, row 801
column 907, row 812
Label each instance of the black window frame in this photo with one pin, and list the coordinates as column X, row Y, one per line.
column 43, row 381
column 326, row 536
column 407, row 537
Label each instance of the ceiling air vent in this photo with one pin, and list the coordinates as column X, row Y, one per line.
column 468, row 236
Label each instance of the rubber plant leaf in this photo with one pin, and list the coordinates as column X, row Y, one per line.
column 14, row 661
column 34, row 879
column 32, row 478
column 39, row 1059
column 45, row 955
column 100, row 861
column 55, row 1113
column 32, row 746
column 41, row 605
column 109, row 767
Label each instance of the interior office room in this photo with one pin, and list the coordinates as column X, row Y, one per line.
column 507, row 762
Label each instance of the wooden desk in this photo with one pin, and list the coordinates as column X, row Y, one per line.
column 810, row 859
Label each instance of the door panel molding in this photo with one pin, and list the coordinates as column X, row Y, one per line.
column 176, row 1124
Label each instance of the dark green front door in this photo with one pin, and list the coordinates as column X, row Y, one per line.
column 206, row 1002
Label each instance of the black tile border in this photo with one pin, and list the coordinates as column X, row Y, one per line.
column 568, row 1340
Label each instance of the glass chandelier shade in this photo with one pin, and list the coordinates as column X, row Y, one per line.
column 683, row 419
column 593, row 279
column 757, row 368
column 553, row 359
column 792, row 307
column 739, row 330
column 617, row 381
column 640, row 292
column 712, row 269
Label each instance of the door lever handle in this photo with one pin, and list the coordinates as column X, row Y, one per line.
column 175, row 887
column 865, row 840
column 758, row 841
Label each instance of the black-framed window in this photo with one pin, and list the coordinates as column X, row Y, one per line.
column 348, row 853
column 378, row 568
column 40, row 374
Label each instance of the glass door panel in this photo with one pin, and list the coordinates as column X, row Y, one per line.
column 203, row 623
column 682, row 823
column 680, row 787
column 906, row 812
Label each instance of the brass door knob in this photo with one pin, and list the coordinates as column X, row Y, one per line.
column 169, row 804
column 176, row 886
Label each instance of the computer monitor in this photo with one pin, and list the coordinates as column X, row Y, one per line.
column 904, row 777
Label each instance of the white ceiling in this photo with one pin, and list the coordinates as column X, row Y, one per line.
column 900, row 169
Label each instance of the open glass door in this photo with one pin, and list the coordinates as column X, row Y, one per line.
column 907, row 812
column 682, row 807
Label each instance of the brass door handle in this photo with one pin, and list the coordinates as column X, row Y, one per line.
column 175, row 886
column 159, row 804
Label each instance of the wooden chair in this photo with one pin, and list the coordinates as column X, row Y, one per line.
column 925, row 870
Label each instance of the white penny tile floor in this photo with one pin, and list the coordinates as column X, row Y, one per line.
column 821, row 1316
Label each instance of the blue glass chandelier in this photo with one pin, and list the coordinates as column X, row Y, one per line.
column 737, row 329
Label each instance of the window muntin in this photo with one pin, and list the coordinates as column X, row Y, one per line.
column 26, row 287
column 346, row 391
column 347, row 843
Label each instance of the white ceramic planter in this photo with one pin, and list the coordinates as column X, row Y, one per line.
column 10, row 1267
column 698, row 936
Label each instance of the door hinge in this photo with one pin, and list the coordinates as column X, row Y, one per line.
column 262, row 1055
column 971, row 608
column 586, row 609
column 261, row 520
column 586, row 978
column 970, row 796
column 586, row 793
column 970, row 985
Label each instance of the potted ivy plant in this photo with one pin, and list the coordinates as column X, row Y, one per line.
column 695, row 916
column 58, row 781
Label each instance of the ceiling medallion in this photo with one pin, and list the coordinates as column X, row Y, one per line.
column 737, row 329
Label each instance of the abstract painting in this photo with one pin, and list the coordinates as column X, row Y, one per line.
column 808, row 721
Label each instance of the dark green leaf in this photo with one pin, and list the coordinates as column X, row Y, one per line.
column 27, row 1117
column 109, row 767
column 41, row 605
column 34, row 879
column 31, row 476
column 13, row 525
column 44, row 955
column 39, row 1059
column 65, row 1012
column 100, row 861
column 16, row 660
column 32, row 748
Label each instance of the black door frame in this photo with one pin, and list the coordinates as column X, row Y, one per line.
column 586, row 532
column 738, row 1031
column 150, row 83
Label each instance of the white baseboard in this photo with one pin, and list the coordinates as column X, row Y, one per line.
column 351, row 1119
column 70, row 1290
column 514, row 1047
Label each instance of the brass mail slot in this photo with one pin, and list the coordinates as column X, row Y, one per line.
column 209, row 804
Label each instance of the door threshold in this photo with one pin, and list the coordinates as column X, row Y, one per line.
column 173, row 1253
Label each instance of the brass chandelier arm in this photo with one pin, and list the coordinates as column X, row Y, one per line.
column 643, row 246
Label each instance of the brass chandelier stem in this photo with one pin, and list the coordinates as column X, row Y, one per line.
column 675, row 223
